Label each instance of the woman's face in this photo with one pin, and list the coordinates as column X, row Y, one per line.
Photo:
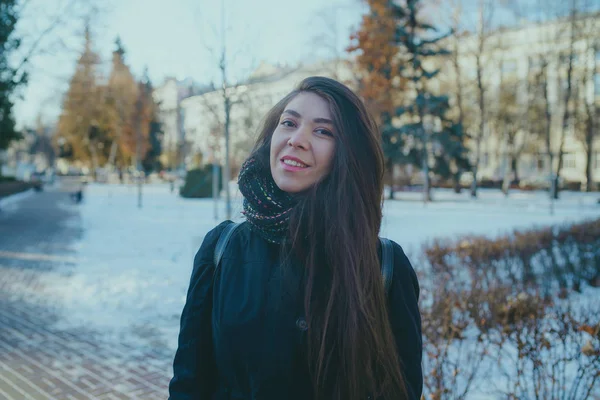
column 303, row 144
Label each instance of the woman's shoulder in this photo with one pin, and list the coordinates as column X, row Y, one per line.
column 209, row 243
column 403, row 268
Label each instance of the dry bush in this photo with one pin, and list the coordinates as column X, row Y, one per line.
column 499, row 311
column 454, row 350
column 548, row 352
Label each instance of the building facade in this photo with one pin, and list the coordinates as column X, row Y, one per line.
column 522, row 67
column 168, row 97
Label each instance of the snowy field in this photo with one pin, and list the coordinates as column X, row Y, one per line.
column 133, row 265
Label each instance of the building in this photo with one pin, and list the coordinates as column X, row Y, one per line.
column 515, row 62
column 168, row 97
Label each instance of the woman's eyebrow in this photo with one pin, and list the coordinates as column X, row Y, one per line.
column 317, row 120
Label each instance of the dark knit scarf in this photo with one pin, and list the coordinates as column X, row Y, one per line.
column 266, row 207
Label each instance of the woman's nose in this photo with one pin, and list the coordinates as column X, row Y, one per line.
column 300, row 138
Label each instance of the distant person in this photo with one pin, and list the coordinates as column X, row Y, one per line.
column 77, row 195
column 298, row 307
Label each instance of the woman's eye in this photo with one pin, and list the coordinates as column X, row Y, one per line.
column 325, row 132
column 287, row 123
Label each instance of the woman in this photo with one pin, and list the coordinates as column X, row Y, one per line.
column 297, row 308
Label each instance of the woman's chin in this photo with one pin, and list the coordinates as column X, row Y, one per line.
column 290, row 185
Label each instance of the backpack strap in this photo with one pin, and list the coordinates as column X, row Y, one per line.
column 387, row 263
column 223, row 240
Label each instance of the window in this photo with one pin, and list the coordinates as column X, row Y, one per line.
column 540, row 163
column 569, row 161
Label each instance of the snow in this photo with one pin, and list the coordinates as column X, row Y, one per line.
column 134, row 264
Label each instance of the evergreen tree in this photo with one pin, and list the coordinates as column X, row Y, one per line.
column 151, row 163
column 424, row 127
column 10, row 78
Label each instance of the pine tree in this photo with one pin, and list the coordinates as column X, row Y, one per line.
column 151, row 162
column 155, row 135
column 80, row 124
column 10, row 79
column 425, row 127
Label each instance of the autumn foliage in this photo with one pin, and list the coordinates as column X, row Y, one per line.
column 377, row 56
column 106, row 122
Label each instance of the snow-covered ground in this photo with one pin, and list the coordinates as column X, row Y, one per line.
column 133, row 264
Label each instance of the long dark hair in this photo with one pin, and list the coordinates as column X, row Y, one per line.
column 333, row 232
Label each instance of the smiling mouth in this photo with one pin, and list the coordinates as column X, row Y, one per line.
column 293, row 163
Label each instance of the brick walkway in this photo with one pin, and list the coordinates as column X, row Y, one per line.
column 40, row 360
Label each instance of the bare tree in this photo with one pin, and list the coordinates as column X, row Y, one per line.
column 452, row 81
column 587, row 115
column 49, row 36
column 332, row 39
column 509, row 118
column 486, row 12
column 567, row 95
column 541, row 107
column 228, row 89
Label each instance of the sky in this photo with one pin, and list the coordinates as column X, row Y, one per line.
column 179, row 38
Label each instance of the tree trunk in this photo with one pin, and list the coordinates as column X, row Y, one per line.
column 474, row 182
column 476, row 166
column 566, row 114
column 555, row 186
column 113, row 149
column 426, row 178
column 590, row 129
column 390, row 166
column 459, row 101
column 480, row 95
column 456, row 179
column 514, row 163
column 505, row 173
column 481, row 100
column 589, row 139
column 94, row 157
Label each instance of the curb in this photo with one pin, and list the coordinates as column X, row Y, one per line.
column 15, row 198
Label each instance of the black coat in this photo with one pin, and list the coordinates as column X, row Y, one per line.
column 241, row 338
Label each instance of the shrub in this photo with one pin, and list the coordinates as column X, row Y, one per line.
column 499, row 315
column 199, row 182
